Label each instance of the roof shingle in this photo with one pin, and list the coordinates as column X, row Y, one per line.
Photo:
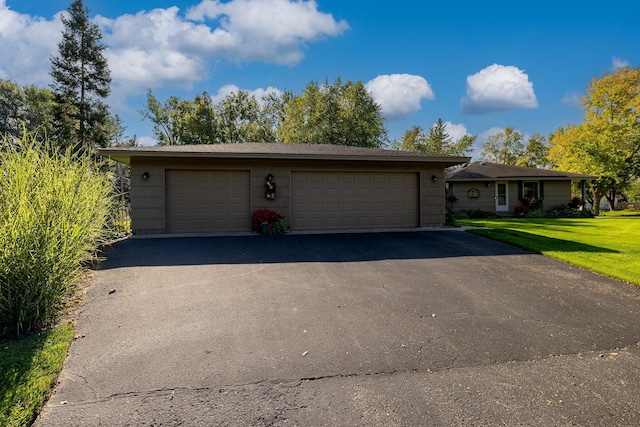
column 278, row 150
column 490, row 171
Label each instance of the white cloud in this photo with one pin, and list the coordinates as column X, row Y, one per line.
column 455, row 131
column 162, row 46
column 227, row 90
column 147, row 141
column 399, row 95
column 572, row 98
column 481, row 139
column 490, row 133
column 619, row 63
column 268, row 30
column 26, row 43
column 498, row 88
column 145, row 50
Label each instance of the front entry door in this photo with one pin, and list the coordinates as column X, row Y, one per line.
column 502, row 197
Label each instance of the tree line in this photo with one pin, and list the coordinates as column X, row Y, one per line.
column 73, row 113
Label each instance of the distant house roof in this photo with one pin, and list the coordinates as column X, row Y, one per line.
column 279, row 151
column 485, row 171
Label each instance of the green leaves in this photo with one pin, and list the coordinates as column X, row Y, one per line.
column 337, row 113
column 81, row 80
column 505, row 147
column 436, row 141
column 607, row 143
column 55, row 207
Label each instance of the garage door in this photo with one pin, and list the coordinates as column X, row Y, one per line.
column 352, row 200
column 205, row 201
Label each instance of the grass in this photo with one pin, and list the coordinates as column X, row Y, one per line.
column 609, row 245
column 29, row 368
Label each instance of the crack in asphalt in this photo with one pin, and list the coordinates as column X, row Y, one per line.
column 297, row 382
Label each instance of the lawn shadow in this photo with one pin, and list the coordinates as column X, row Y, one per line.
column 542, row 244
column 18, row 356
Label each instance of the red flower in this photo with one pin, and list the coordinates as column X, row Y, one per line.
column 264, row 216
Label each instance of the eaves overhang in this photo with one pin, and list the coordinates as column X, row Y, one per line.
column 270, row 151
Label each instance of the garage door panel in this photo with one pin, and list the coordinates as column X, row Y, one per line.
column 200, row 209
column 206, row 201
column 360, row 200
column 333, row 192
column 348, row 179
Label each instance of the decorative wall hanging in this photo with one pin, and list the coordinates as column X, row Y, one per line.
column 270, row 188
column 473, row 193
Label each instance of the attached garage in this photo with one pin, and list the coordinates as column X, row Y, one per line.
column 199, row 189
column 207, row 201
column 354, row 200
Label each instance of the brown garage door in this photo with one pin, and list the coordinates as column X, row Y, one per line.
column 206, row 201
column 352, row 200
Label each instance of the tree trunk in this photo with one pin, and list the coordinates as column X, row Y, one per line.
column 598, row 194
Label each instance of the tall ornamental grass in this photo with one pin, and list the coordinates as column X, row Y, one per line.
column 54, row 210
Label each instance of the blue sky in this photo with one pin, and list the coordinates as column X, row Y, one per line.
column 479, row 66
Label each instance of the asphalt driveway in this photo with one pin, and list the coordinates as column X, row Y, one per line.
column 415, row 328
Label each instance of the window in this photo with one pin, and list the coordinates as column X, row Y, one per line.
column 530, row 189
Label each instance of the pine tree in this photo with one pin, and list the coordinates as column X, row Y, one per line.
column 81, row 82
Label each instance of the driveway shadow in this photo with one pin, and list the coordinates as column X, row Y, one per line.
column 341, row 247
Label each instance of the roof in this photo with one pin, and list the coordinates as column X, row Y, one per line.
column 485, row 171
column 279, row 151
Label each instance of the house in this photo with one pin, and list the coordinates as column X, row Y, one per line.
column 215, row 188
column 498, row 188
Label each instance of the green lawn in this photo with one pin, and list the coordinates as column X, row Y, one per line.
column 29, row 368
column 609, row 244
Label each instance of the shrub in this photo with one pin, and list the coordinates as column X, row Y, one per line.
column 449, row 217
column 575, row 203
column 54, row 210
column 273, row 221
column 521, row 210
column 560, row 211
column 473, row 214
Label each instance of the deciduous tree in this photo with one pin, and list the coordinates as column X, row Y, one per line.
column 536, row 152
column 164, row 118
column 27, row 107
column 505, row 147
column 607, row 142
column 337, row 113
column 437, row 140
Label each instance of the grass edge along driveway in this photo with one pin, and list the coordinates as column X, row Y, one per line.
column 606, row 245
column 29, row 368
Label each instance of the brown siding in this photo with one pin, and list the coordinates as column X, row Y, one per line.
column 148, row 205
column 486, row 202
column 555, row 193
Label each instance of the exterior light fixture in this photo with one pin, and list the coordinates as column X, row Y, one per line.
column 434, row 178
column 145, row 176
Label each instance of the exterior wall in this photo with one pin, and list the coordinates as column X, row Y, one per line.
column 432, row 209
column 148, row 196
column 555, row 193
column 486, row 202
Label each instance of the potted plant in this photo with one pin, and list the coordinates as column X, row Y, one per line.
column 268, row 221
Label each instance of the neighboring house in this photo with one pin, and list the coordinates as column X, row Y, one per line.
column 500, row 188
column 215, row 188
